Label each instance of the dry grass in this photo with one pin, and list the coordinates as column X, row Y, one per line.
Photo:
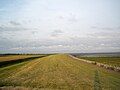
column 14, row 57
column 114, row 61
column 58, row 72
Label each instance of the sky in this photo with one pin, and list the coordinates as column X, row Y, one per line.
column 59, row 26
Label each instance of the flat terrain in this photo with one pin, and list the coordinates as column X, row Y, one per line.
column 15, row 57
column 7, row 60
column 114, row 61
column 58, row 72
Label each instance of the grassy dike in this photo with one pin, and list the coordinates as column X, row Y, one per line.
column 59, row 72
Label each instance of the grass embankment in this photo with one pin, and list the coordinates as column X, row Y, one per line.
column 59, row 72
column 13, row 59
column 114, row 61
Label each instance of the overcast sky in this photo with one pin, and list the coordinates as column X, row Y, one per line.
column 61, row 26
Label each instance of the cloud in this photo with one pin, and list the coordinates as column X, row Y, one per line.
column 108, row 28
column 91, row 43
column 97, row 42
column 105, row 35
column 61, row 17
column 6, row 43
column 62, row 42
column 105, row 28
column 34, row 32
column 56, row 33
column 14, row 23
column 73, row 20
column 9, row 28
column 15, row 26
column 94, row 27
column 69, row 18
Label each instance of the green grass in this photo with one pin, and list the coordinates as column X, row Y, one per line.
column 114, row 61
column 59, row 72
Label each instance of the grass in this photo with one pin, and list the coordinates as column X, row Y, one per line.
column 114, row 61
column 9, row 60
column 59, row 72
column 14, row 57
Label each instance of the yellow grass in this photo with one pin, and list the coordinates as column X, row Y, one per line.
column 59, row 72
column 14, row 57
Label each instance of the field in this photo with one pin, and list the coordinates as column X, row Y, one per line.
column 114, row 61
column 6, row 60
column 58, row 72
column 15, row 57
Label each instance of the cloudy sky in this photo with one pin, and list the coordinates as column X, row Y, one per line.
column 61, row 26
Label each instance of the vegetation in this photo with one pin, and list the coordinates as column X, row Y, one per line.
column 114, row 61
column 56, row 72
column 13, row 59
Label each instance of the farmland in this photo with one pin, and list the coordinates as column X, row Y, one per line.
column 12, row 59
column 58, row 72
column 15, row 57
column 114, row 61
